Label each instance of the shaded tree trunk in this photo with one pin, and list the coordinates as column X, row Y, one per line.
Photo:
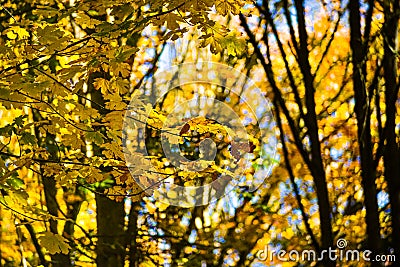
column 317, row 168
column 391, row 154
column 110, row 216
column 50, row 190
column 58, row 259
column 132, row 235
column 311, row 157
column 363, row 115
column 110, row 247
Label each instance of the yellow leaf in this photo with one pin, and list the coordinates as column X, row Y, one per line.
column 11, row 35
column 15, row 31
column 115, row 102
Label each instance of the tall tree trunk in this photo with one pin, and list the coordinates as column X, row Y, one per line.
column 110, row 247
column 363, row 114
column 131, row 234
column 317, row 168
column 49, row 184
column 391, row 154
column 110, row 216
column 50, row 190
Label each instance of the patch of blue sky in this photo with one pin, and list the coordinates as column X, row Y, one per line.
column 243, row 99
column 267, row 121
column 152, row 231
column 247, row 121
column 313, row 209
column 305, row 187
column 216, row 251
column 163, row 245
column 192, row 237
column 383, row 199
column 168, row 56
column 211, row 208
column 298, row 217
column 233, row 202
column 336, row 154
column 261, row 110
column 255, row 199
column 261, row 173
column 218, row 238
column 149, row 56
column 151, row 222
column 160, row 232
column 185, row 221
column 229, row 261
column 269, row 150
column 295, row 220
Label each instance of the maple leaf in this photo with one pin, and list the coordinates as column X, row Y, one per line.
column 54, row 243
column 172, row 20
column 118, row 68
column 103, row 84
column 115, row 102
column 86, row 22
column 226, row 6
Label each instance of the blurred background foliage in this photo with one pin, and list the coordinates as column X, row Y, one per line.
column 68, row 70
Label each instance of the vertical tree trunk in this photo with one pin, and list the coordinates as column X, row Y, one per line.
column 50, row 191
column 317, row 168
column 58, row 259
column 132, row 235
column 391, row 154
column 110, row 216
column 363, row 113
column 110, row 230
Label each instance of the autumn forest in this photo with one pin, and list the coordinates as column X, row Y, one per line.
column 149, row 133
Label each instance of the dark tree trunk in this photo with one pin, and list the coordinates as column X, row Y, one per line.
column 110, row 217
column 50, row 190
column 49, row 184
column 391, row 154
column 363, row 114
column 110, row 247
column 131, row 234
column 316, row 168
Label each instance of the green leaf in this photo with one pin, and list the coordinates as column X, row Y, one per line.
column 95, row 137
column 121, row 57
column 172, row 20
column 15, row 182
column 54, row 243
column 224, row 7
column 28, row 138
column 7, row 130
column 235, row 46
column 19, row 121
column 120, row 68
